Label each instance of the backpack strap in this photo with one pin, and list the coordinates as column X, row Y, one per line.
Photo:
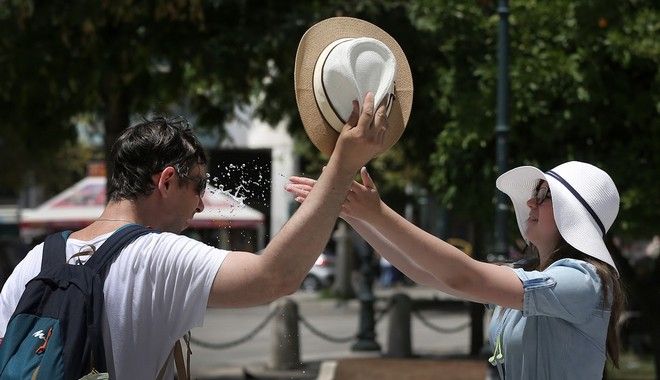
column 115, row 243
column 55, row 247
column 186, row 338
column 103, row 257
column 54, row 251
column 182, row 369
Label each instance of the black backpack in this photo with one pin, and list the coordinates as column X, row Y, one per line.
column 55, row 331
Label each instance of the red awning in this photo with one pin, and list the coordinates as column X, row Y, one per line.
column 82, row 203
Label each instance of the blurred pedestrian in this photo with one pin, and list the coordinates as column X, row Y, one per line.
column 389, row 275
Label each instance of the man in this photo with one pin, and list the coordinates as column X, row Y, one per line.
column 160, row 285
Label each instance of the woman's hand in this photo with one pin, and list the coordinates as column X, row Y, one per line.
column 362, row 200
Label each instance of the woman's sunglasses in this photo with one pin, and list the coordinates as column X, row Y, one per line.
column 541, row 192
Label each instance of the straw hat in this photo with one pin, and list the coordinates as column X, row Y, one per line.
column 585, row 203
column 339, row 60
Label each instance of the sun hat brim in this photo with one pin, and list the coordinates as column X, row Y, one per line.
column 519, row 184
column 313, row 42
column 575, row 225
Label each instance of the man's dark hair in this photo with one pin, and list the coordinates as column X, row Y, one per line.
column 147, row 148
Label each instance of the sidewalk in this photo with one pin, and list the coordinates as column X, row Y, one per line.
column 367, row 368
column 361, row 365
column 399, row 369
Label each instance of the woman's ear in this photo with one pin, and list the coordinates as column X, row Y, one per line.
column 164, row 180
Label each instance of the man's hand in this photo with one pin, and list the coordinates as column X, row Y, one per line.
column 363, row 136
column 247, row 280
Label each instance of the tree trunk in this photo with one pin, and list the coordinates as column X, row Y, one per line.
column 477, row 310
column 116, row 114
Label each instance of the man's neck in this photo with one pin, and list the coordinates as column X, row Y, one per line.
column 123, row 211
column 115, row 215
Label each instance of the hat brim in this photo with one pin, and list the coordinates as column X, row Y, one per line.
column 577, row 228
column 519, row 185
column 320, row 35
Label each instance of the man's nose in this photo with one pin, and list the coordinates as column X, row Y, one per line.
column 200, row 205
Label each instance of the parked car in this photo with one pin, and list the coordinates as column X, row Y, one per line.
column 321, row 275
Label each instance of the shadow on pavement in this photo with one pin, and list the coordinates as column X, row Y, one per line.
column 418, row 369
column 370, row 368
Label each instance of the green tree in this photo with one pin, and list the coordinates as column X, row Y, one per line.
column 119, row 59
column 584, row 78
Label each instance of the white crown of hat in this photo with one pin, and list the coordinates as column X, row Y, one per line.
column 346, row 70
column 591, row 185
column 585, row 203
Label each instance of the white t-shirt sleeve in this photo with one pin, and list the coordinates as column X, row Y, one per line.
column 13, row 289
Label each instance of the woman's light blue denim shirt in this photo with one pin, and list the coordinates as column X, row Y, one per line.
column 562, row 329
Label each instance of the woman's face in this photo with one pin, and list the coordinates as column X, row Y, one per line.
column 541, row 227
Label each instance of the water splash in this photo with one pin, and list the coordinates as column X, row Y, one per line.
column 244, row 181
column 231, row 188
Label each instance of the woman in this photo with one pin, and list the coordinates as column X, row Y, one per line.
column 554, row 321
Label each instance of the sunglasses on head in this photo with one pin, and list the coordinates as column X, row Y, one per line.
column 541, row 192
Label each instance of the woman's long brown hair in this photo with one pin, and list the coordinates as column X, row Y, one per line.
column 611, row 283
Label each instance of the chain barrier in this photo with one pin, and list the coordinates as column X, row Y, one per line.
column 236, row 342
column 323, row 335
column 346, row 339
column 319, row 333
column 442, row 330
column 383, row 312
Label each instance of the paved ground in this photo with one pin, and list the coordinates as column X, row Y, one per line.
column 413, row 369
column 427, row 368
column 375, row 368
column 327, row 361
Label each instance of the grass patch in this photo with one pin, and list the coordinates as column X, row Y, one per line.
column 326, row 293
column 632, row 367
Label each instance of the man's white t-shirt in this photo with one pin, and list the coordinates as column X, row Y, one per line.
column 156, row 290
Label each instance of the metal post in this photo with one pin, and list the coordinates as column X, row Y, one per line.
column 285, row 343
column 502, row 126
column 366, row 336
column 342, row 286
column 399, row 336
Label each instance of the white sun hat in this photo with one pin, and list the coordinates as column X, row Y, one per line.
column 347, row 69
column 339, row 60
column 585, row 203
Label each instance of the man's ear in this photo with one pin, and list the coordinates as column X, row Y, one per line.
column 165, row 180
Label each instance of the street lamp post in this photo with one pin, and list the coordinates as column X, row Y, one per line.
column 366, row 336
column 502, row 125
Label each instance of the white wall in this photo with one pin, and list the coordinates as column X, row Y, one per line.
column 262, row 135
column 249, row 132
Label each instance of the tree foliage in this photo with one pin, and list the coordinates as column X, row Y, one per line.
column 583, row 78
column 120, row 59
